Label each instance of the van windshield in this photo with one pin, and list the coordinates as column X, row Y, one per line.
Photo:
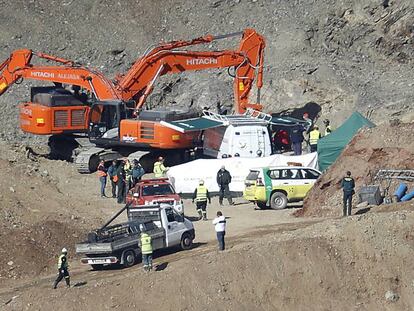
column 252, row 175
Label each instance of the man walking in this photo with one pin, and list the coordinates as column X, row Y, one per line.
column 146, row 249
column 348, row 186
column 113, row 177
column 102, row 177
column 314, row 136
column 63, row 269
column 220, row 226
column 201, row 195
column 223, row 181
column 159, row 169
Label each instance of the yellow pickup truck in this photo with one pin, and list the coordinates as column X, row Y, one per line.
column 275, row 186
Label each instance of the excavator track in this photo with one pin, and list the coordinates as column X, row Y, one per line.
column 87, row 161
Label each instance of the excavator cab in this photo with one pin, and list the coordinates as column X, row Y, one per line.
column 104, row 120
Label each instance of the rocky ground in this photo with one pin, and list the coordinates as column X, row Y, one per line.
column 345, row 55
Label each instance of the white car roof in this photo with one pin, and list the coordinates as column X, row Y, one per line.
column 283, row 167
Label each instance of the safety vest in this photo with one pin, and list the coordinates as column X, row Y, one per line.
column 314, row 137
column 328, row 130
column 159, row 169
column 62, row 264
column 146, row 245
column 201, row 194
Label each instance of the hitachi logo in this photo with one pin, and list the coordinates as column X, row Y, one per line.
column 40, row 74
column 201, row 61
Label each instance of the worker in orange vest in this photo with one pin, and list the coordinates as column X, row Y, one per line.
column 102, row 173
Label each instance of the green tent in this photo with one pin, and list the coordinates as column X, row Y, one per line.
column 331, row 146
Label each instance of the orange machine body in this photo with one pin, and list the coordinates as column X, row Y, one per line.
column 43, row 120
column 155, row 135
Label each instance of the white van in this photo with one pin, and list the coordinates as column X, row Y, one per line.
column 247, row 140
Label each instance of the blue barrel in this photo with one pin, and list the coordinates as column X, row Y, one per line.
column 401, row 190
column 408, row 196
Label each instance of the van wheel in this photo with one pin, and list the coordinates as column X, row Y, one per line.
column 186, row 241
column 278, row 200
column 129, row 259
column 261, row 205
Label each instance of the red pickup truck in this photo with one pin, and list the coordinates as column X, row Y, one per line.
column 154, row 191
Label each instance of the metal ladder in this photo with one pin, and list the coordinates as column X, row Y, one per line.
column 407, row 175
column 233, row 119
column 250, row 112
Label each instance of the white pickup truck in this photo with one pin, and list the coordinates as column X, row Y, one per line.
column 119, row 243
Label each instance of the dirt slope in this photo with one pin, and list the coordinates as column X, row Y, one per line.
column 382, row 147
column 336, row 264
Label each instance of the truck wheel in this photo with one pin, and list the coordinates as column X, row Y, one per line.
column 261, row 205
column 186, row 241
column 129, row 259
column 278, row 200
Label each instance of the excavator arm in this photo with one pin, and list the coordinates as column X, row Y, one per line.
column 247, row 60
column 18, row 66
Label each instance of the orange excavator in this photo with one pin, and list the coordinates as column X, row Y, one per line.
column 111, row 113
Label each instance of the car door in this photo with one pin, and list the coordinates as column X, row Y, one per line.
column 174, row 227
column 281, row 180
column 293, row 178
column 309, row 178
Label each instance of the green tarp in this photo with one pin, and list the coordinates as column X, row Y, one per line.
column 331, row 146
column 191, row 125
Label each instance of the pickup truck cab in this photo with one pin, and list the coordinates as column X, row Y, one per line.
column 119, row 243
column 154, row 191
column 275, row 186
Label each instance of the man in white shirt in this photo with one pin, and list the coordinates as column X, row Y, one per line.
column 220, row 226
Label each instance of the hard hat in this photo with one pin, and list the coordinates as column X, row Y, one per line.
column 306, row 114
column 201, row 182
column 223, row 167
column 64, row 250
column 259, row 152
column 141, row 228
column 160, row 158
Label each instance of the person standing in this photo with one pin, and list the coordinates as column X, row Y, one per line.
column 296, row 138
column 63, row 266
column 220, row 226
column 348, row 186
column 137, row 172
column 159, row 169
column 314, row 136
column 102, row 177
column 113, row 177
column 120, row 174
column 146, row 249
column 223, row 181
column 128, row 175
column 328, row 128
column 201, row 195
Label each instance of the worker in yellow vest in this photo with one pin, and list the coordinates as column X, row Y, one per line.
column 63, row 266
column 200, row 196
column 159, row 169
column 146, row 248
column 314, row 136
column 328, row 128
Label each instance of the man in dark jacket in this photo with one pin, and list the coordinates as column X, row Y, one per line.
column 137, row 172
column 296, row 137
column 121, row 183
column 223, row 181
column 348, row 185
column 112, row 173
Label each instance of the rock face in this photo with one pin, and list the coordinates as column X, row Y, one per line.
column 345, row 55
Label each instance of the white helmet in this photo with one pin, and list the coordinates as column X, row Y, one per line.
column 64, row 251
column 141, row 228
column 201, row 182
